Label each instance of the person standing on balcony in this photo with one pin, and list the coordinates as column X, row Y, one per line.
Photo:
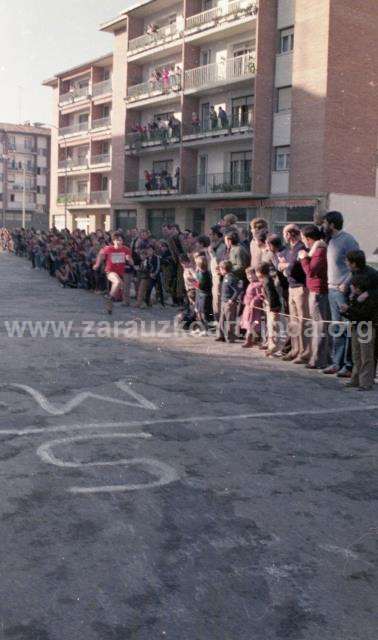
column 195, row 122
column 213, row 118
column 223, row 118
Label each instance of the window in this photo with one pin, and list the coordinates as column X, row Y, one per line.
column 242, row 49
column 284, row 99
column 163, row 116
column 241, row 168
column 83, row 118
column 282, row 159
column 202, row 171
column 205, row 57
column 205, row 115
column 106, row 74
column 162, row 165
column 126, row 219
column 244, row 215
column 104, row 183
column 242, row 111
column 157, row 217
column 286, row 40
column 105, row 111
column 281, row 216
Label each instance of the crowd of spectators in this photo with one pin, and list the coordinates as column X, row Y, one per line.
column 308, row 298
column 160, row 129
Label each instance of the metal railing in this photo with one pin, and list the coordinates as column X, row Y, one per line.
column 158, row 137
column 102, row 158
column 79, row 127
column 72, row 198
column 101, row 122
column 147, row 40
column 102, row 88
column 235, row 9
column 99, row 197
column 210, row 128
column 218, row 183
column 29, row 206
column 221, row 72
column 73, row 164
column 156, row 185
column 73, row 94
column 153, row 88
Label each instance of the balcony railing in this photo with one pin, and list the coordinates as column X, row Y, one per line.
column 211, row 17
column 154, row 138
column 156, row 186
column 95, row 197
column 29, row 206
column 100, row 123
column 218, row 183
column 215, row 128
column 102, row 88
column 221, row 72
column 149, row 40
column 72, row 198
column 73, row 164
column 154, row 88
column 74, row 94
column 103, row 158
column 79, row 127
column 99, row 197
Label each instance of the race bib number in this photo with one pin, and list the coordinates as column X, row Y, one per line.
column 118, row 258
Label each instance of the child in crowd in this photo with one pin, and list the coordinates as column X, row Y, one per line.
column 203, row 303
column 66, row 274
column 272, row 306
column 230, row 294
column 253, row 310
column 362, row 310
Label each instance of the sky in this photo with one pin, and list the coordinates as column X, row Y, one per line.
column 39, row 38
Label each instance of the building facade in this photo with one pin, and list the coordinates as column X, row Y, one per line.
column 24, row 175
column 292, row 84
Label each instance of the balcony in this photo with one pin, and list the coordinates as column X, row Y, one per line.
column 84, row 199
column 209, row 130
column 218, row 183
column 220, row 73
column 72, row 129
column 154, row 88
column 151, row 139
column 29, row 206
column 99, row 197
column 102, row 88
column 101, row 123
column 72, row 164
column 74, row 94
column 161, row 36
column 220, row 14
column 73, row 198
column 103, row 158
column 158, row 186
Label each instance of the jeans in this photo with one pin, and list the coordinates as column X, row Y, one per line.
column 339, row 340
column 320, row 343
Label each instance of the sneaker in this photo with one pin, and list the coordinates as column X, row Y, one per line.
column 344, row 373
column 220, row 340
column 331, row 370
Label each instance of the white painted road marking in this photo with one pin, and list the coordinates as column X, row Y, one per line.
column 192, row 419
column 55, row 410
column 164, row 472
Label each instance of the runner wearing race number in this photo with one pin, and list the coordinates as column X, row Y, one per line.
column 118, row 268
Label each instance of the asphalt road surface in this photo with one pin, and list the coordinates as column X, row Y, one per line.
column 170, row 487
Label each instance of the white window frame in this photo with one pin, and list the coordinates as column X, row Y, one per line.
column 286, row 35
column 282, row 159
column 281, row 89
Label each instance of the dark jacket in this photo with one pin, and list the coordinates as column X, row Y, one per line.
column 295, row 275
column 366, row 311
column 271, row 295
column 230, row 288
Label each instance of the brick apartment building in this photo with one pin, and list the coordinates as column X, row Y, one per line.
column 24, row 175
column 297, row 79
